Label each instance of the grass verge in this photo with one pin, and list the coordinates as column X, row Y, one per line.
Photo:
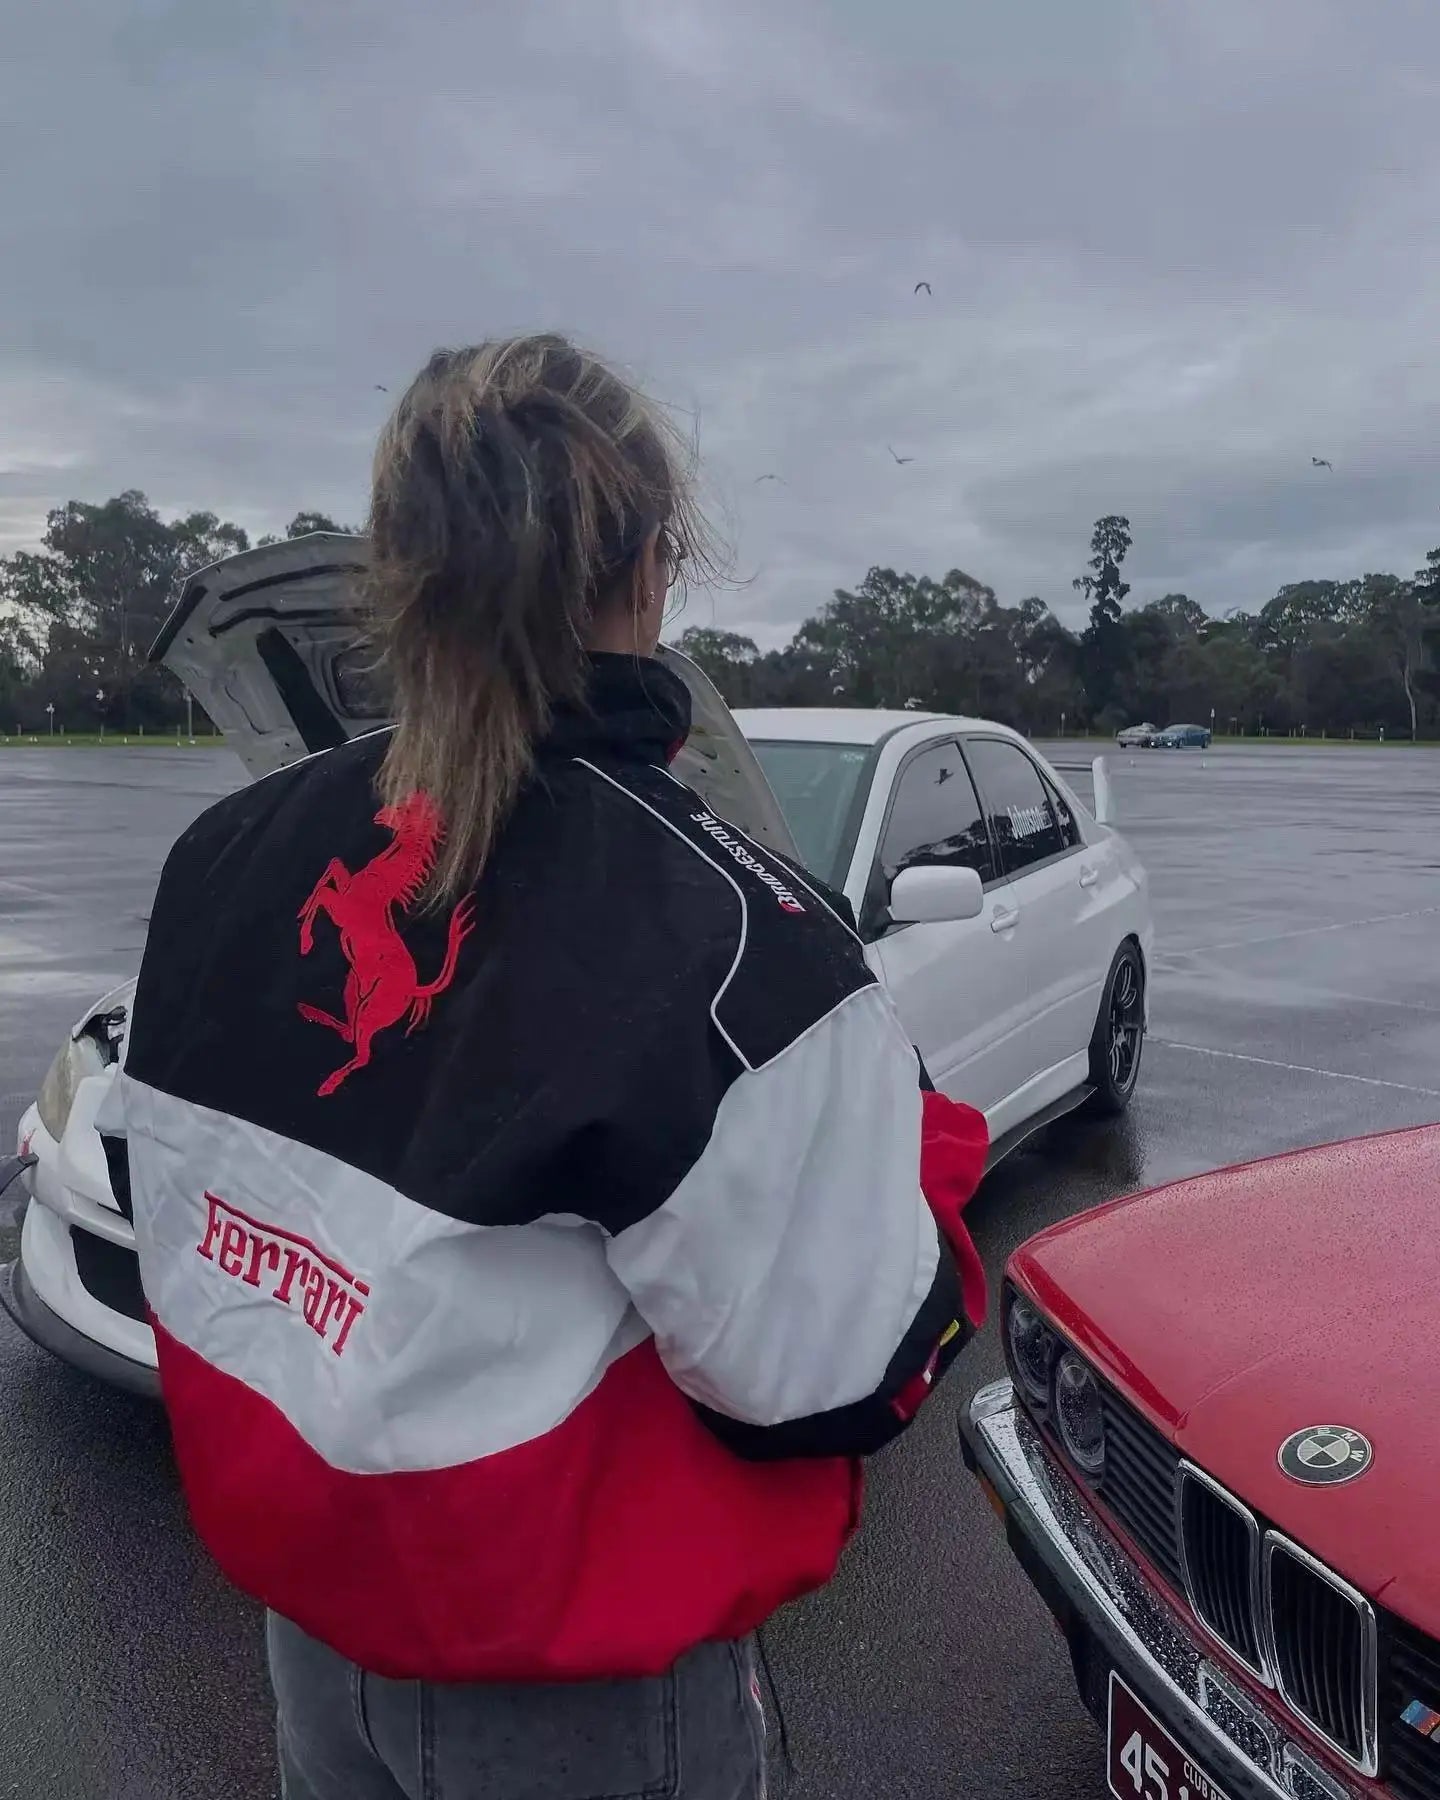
column 112, row 740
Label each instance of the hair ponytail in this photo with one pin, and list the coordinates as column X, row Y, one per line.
column 513, row 485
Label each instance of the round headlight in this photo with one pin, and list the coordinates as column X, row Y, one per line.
column 1078, row 1414
column 1032, row 1349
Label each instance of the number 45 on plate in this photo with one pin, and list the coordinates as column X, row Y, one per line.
column 1145, row 1761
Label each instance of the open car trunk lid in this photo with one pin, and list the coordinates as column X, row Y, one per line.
column 270, row 645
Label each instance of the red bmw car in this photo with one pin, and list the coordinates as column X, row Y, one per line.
column 1218, row 1459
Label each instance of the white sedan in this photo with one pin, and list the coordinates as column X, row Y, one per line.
column 1012, row 930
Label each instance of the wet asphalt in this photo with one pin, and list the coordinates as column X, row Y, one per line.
column 1296, row 998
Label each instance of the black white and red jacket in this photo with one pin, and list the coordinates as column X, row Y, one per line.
column 527, row 1277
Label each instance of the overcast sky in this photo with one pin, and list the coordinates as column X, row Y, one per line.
column 1176, row 248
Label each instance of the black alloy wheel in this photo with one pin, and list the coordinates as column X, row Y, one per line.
column 1119, row 1036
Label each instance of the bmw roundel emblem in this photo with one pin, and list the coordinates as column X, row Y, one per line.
column 1325, row 1455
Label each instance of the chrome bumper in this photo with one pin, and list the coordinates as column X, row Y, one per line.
column 1096, row 1589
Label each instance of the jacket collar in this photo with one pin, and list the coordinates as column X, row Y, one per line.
column 634, row 709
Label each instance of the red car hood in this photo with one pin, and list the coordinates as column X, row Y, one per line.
column 1241, row 1306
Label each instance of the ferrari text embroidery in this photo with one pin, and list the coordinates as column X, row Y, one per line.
column 289, row 1268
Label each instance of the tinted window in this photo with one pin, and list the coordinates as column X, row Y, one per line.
column 1021, row 819
column 1069, row 824
column 815, row 785
column 936, row 817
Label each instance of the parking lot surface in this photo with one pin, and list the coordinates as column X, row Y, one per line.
column 1295, row 998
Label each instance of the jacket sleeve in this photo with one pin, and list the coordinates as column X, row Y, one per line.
column 797, row 1285
column 955, row 1143
column 954, row 1149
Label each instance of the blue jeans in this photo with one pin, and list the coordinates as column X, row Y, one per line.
column 696, row 1733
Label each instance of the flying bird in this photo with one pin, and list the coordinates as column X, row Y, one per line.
column 381, row 390
column 1319, row 462
column 902, row 460
column 760, row 478
column 925, row 285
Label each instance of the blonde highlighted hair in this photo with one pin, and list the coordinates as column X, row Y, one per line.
column 515, row 486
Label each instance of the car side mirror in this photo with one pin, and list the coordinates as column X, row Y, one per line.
column 936, row 895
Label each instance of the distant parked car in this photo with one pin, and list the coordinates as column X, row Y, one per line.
column 1184, row 737
column 1215, row 1456
column 1011, row 928
column 1137, row 737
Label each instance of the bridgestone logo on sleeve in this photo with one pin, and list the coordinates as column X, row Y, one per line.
column 747, row 860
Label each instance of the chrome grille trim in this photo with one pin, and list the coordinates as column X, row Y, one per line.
column 1142, row 1489
column 1367, row 1761
column 1258, row 1665
column 1138, row 1483
column 1148, row 1618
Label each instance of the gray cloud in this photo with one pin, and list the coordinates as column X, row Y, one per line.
column 1175, row 250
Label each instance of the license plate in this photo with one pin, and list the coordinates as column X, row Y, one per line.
column 1145, row 1761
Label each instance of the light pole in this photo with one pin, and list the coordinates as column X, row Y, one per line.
column 1062, row 724
column 100, row 702
column 189, row 716
column 50, row 708
column 1212, row 721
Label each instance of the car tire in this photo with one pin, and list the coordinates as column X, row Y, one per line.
column 1119, row 1036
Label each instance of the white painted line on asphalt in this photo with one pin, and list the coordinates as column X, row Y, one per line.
column 1415, row 912
column 1269, row 1062
column 1330, row 993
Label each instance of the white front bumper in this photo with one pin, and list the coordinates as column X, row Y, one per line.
column 47, row 1252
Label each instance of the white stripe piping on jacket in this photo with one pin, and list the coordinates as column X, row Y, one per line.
column 873, row 987
column 795, row 869
column 313, row 755
column 660, row 818
column 780, row 1284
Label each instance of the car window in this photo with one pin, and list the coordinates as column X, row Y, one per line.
column 816, row 785
column 1064, row 815
column 1022, row 820
column 936, row 818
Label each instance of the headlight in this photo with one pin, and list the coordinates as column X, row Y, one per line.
column 78, row 1058
column 1033, row 1346
column 1078, row 1414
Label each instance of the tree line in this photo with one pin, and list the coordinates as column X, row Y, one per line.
column 1338, row 657
column 78, row 615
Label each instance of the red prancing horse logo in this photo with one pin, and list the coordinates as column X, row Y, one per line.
column 383, row 985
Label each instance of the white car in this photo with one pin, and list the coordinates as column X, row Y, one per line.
column 1012, row 930
column 1138, row 737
